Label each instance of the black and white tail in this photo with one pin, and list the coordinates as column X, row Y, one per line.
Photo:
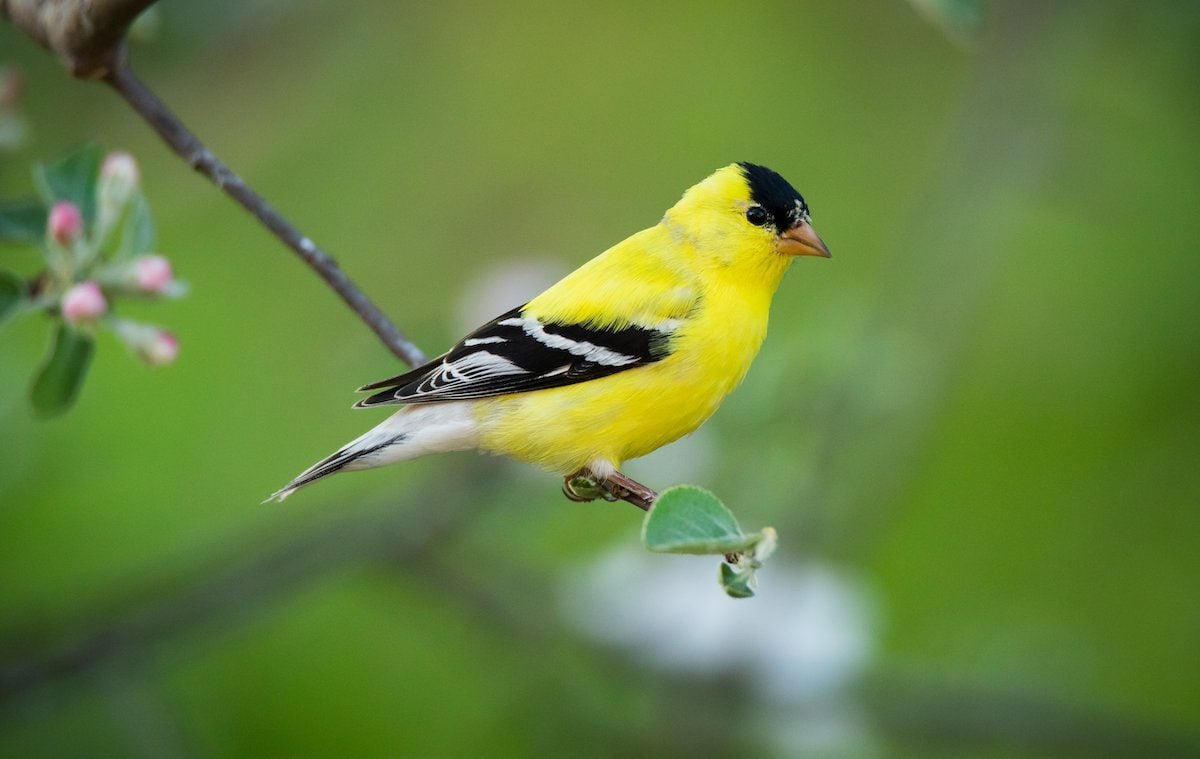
column 411, row 432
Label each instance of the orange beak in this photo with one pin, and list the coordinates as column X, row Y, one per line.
column 801, row 240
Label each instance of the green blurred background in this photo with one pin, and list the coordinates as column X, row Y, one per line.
column 977, row 428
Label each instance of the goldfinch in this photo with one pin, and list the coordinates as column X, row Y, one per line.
column 632, row 350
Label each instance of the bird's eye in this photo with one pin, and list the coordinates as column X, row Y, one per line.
column 757, row 215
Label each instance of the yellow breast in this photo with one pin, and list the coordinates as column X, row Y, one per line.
column 629, row 414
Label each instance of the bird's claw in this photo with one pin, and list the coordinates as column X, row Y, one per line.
column 580, row 487
column 585, row 486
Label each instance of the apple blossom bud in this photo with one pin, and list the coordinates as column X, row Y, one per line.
column 161, row 350
column 154, row 345
column 118, row 181
column 84, row 303
column 120, row 169
column 65, row 223
column 152, row 274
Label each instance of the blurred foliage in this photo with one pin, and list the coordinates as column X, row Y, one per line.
column 985, row 405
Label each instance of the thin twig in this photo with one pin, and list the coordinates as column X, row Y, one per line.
column 190, row 149
column 628, row 489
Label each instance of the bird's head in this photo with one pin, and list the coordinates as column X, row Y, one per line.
column 747, row 214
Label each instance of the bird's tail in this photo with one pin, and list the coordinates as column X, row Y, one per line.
column 411, row 432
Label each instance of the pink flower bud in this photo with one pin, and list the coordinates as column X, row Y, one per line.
column 154, row 345
column 120, row 168
column 84, row 303
column 152, row 274
column 118, row 182
column 65, row 223
column 160, row 350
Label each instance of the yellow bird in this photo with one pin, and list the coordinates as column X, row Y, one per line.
column 632, row 350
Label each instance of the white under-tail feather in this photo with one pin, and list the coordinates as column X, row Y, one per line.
column 411, row 432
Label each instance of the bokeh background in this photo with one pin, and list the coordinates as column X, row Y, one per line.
column 976, row 429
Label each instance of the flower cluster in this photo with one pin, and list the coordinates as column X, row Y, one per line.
column 96, row 234
column 92, row 268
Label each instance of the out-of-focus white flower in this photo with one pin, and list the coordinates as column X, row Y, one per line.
column 808, row 633
column 84, row 303
column 504, row 286
column 65, row 223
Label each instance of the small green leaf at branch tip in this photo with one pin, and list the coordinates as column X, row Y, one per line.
column 58, row 382
column 737, row 584
column 738, row 580
column 688, row 519
column 72, row 178
column 12, row 291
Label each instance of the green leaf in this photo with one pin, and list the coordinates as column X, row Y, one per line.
column 22, row 221
column 138, row 237
column 58, row 381
column 12, row 291
column 73, row 178
column 688, row 519
column 737, row 584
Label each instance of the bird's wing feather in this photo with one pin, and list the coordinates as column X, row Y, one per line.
column 517, row 352
column 616, row 312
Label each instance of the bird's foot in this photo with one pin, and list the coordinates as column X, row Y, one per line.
column 583, row 486
column 586, row 486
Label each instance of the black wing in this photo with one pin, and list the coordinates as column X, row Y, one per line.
column 516, row 353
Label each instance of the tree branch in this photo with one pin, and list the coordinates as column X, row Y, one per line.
column 87, row 36
column 190, row 149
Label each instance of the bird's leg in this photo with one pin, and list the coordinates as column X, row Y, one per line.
column 586, row 486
